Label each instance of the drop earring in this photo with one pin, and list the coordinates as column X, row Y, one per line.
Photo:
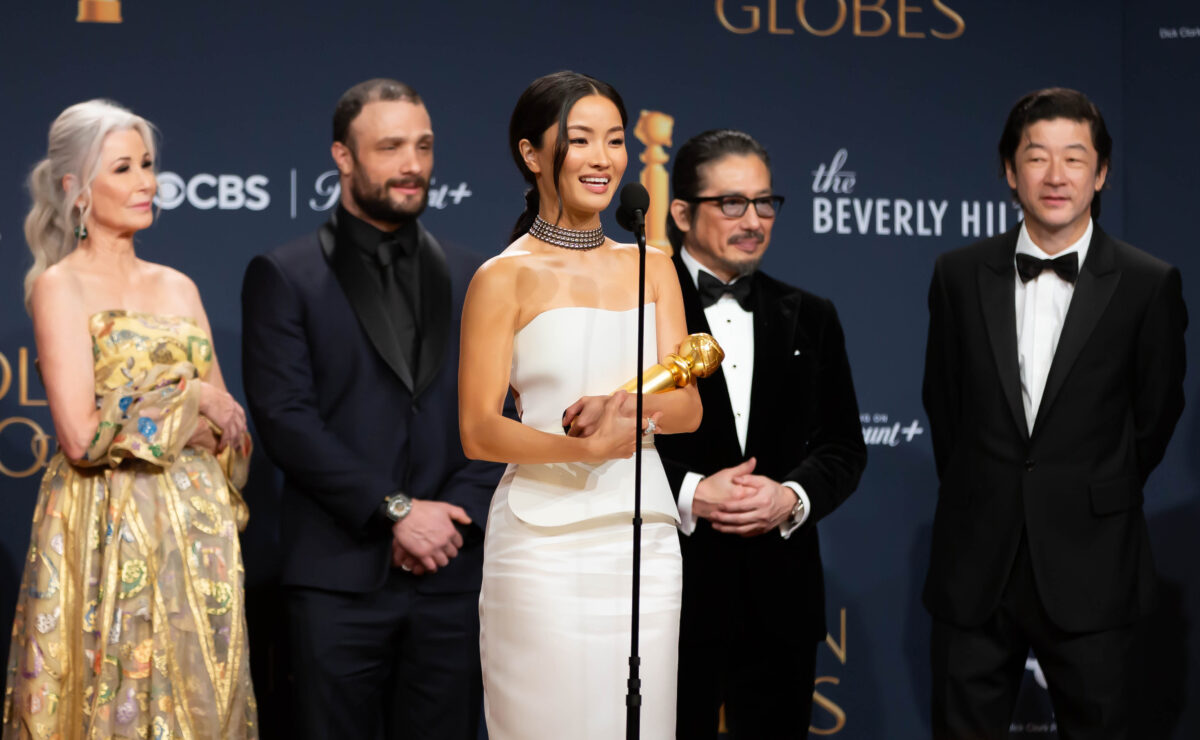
column 81, row 230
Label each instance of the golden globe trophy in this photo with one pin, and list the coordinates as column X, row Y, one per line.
column 99, row 11
column 698, row 356
column 654, row 130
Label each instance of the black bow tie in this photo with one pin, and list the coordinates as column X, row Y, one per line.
column 711, row 289
column 1066, row 266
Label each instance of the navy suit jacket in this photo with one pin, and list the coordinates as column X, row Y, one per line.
column 339, row 411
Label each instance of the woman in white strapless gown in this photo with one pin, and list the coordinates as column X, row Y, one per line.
column 554, row 317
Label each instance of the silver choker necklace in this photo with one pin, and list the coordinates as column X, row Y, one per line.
column 566, row 238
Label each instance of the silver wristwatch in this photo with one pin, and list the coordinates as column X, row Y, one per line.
column 797, row 509
column 397, row 506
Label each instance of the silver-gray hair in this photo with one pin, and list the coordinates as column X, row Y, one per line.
column 74, row 149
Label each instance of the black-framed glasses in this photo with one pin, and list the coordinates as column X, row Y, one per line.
column 734, row 206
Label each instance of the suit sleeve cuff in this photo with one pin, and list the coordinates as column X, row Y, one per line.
column 687, row 492
column 790, row 526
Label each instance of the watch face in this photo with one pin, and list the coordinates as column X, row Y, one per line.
column 398, row 507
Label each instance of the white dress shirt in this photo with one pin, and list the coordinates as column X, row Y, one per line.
column 1041, row 306
column 733, row 328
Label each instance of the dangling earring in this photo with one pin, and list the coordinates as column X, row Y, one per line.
column 81, row 230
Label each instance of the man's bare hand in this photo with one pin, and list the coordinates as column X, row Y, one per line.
column 719, row 488
column 428, row 535
column 767, row 506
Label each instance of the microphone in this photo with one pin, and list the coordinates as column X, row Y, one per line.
column 631, row 214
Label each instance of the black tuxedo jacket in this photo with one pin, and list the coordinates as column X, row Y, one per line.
column 804, row 427
column 1074, row 485
column 340, row 412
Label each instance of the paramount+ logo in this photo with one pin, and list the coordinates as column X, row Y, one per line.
column 205, row 191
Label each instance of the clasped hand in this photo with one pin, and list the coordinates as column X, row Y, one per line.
column 427, row 539
column 607, row 423
column 217, row 405
column 737, row 502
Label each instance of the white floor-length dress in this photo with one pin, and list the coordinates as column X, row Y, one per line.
column 556, row 600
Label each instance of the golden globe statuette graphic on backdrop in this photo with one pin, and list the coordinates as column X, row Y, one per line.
column 654, row 130
column 99, row 11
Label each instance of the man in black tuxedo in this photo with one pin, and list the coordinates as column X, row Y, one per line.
column 780, row 448
column 350, row 354
column 1053, row 380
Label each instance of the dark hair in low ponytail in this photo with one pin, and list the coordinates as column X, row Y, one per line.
column 545, row 102
column 533, row 203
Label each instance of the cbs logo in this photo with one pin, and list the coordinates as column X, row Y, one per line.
column 205, row 192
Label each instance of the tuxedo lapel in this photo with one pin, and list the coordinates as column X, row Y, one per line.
column 1098, row 278
column 714, row 393
column 363, row 293
column 998, row 302
column 434, row 318
column 775, row 317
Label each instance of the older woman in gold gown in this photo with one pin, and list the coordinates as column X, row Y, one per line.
column 130, row 622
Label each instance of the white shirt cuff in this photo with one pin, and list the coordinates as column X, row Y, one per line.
column 788, row 526
column 687, row 492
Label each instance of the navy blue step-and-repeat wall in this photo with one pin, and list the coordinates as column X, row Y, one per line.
column 881, row 117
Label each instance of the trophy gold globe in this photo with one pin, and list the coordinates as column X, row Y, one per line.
column 697, row 356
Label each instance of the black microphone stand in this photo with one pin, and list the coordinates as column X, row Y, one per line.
column 633, row 700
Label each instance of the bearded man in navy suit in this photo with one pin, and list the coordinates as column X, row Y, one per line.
column 350, row 347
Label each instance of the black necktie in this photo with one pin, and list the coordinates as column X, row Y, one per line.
column 401, row 309
column 711, row 289
column 1066, row 266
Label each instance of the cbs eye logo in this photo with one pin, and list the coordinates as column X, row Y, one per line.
column 205, row 192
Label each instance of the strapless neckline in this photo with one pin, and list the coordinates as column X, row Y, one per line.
column 649, row 307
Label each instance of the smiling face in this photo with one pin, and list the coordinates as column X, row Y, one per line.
column 1055, row 173
column 592, row 168
column 122, row 192
column 386, row 162
column 729, row 247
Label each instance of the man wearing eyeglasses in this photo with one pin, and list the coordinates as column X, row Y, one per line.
column 780, row 448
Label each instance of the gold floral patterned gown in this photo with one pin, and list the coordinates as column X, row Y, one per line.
column 130, row 621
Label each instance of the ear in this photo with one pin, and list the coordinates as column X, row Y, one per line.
column 1101, row 176
column 342, row 157
column 70, row 181
column 529, row 156
column 680, row 211
column 1010, row 174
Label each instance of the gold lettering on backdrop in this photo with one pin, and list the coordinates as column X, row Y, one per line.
column 837, row 26
column 751, row 9
column 824, row 702
column 5, row 375
column 885, row 25
column 39, row 445
column 902, row 12
column 897, row 17
column 838, row 648
column 773, row 21
column 959, row 24
column 99, row 11
column 23, row 380
column 654, row 130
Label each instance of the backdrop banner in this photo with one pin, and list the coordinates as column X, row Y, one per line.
column 881, row 118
